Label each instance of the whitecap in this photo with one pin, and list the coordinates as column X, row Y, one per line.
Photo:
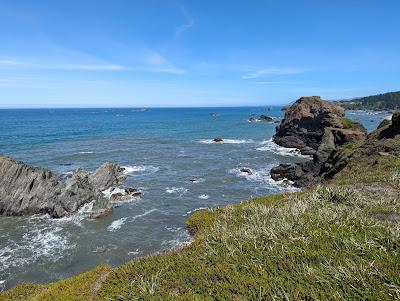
column 177, row 190
column 117, row 224
column 204, row 196
column 136, row 252
column 40, row 242
column 197, row 180
column 270, row 146
column 139, row 169
column 182, row 239
column 108, row 192
column 86, row 153
column 112, row 190
column 194, row 210
column 226, row 141
column 143, row 214
column 263, row 176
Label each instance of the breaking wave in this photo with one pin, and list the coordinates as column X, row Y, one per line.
column 270, row 146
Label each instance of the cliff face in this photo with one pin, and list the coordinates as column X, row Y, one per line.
column 317, row 128
column 27, row 190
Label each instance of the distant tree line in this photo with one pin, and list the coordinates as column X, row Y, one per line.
column 382, row 102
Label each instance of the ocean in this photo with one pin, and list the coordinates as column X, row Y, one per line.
column 168, row 153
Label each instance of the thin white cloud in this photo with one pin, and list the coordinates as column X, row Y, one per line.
column 272, row 72
column 273, row 83
column 155, row 58
column 9, row 62
column 188, row 24
column 159, row 64
column 90, row 67
column 171, row 70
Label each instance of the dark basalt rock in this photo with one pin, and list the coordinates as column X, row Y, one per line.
column 392, row 129
column 27, row 190
column 304, row 123
column 318, row 128
column 246, row 170
column 263, row 118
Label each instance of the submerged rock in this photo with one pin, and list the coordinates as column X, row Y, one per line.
column 28, row 190
column 246, row 170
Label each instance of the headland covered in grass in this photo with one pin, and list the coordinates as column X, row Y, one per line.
column 337, row 240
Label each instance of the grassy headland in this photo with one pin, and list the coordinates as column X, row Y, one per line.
column 339, row 240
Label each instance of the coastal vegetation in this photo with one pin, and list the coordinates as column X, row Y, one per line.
column 382, row 102
column 338, row 240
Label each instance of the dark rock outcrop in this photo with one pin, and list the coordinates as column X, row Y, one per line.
column 27, row 190
column 218, row 140
column 246, row 170
column 263, row 118
column 392, row 129
column 318, row 128
column 304, row 123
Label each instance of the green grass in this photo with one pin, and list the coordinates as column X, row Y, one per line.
column 322, row 244
column 347, row 123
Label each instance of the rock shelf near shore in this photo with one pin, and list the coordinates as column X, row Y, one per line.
column 28, row 190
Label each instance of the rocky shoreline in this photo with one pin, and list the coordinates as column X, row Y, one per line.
column 29, row 190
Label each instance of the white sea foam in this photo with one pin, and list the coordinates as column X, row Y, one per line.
column 194, row 210
column 263, row 176
column 86, row 153
column 143, row 214
column 226, row 141
column 177, row 190
column 197, row 180
column 270, row 146
column 136, row 252
column 204, row 197
column 40, row 242
column 182, row 239
column 117, row 224
column 139, row 169
column 108, row 192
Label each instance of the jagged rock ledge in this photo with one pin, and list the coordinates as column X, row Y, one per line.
column 28, row 190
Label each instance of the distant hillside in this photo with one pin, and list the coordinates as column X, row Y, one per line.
column 381, row 102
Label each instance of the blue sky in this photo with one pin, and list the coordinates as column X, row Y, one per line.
column 195, row 53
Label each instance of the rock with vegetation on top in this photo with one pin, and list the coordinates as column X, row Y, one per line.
column 305, row 121
column 319, row 128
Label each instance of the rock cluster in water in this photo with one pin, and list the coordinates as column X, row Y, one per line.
column 318, row 128
column 262, row 117
column 28, row 190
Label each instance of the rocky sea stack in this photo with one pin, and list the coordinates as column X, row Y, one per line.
column 319, row 128
column 28, row 190
column 304, row 124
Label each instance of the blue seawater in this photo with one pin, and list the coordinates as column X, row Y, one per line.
column 163, row 150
